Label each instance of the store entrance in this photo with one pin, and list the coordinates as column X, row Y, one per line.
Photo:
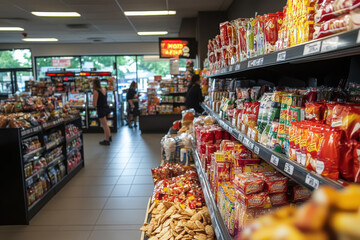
column 13, row 80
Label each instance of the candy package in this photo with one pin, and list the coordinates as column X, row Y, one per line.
column 248, row 183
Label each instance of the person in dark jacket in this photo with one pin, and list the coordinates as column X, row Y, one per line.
column 102, row 108
column 194, row 96
column 132, row 98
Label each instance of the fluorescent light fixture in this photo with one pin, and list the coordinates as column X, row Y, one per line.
column 152, row 33
column 40, row 39
column 149, row 13
column 56, row 14
column 11, row 29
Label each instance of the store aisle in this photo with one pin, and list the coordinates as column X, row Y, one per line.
column 106, row 200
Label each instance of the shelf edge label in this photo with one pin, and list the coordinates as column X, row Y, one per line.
column 256, row 62
column 231, row 68
column 281, row 56
column 289, row 168
column 274, row 160
column 311, row 181
column 237, row 67
column 330, row 44
column 312, row 48
column 256, row 150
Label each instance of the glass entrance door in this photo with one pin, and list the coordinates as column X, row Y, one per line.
column 6, row 83
column 21, row 78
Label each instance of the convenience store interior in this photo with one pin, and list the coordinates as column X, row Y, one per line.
column 274, row 153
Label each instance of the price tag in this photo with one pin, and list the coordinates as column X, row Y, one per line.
column 274, row 160
column 30, row 181
column 235, row 133
column 330, row 44
column 311, row 181
column 223, row 70
column 281, row 56
column 256, row 150
column 246, row 141
column 38, row 176
column 289, row 168
column 231, row 68
column 256, row 62
column 312, row 48
column 237, row 67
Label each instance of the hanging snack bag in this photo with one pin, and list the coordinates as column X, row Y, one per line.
column 315, row 138
column 271, row 32
column 328, row 157
column 314, row 111
column 303, row 142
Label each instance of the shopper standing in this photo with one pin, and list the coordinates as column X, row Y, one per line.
column 194, row 96
column 133, row 104
column 102, row 108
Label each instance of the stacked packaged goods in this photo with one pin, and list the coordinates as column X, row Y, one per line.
column 299, row 22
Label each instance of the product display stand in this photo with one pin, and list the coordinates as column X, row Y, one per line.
column 289, row 168
column 221, row 230
column 157, row 123
column 14, row 203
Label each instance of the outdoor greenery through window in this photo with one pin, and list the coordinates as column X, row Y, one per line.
column 17, row 58
column 47, row 64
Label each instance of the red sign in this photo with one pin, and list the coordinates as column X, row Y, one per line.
column 172, row 48
column 177, row 47
column 61, row 62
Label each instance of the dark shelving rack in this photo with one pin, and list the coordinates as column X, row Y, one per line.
column 14, row 207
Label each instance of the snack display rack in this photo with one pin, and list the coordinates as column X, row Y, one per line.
column 15, row 208
column 290, row 168
column 220, row 229
column 334, row 46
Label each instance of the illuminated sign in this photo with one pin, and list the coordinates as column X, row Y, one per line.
column 61, row 62
column 60, row 74
column 95, row 74
column 177, row 47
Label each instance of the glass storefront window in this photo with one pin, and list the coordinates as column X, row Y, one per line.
column 47, row 64
column 18, row 58
column 150, row 66
column 100, row 63
column 126, row 70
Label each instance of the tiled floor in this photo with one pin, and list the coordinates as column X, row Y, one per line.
column 106, row 200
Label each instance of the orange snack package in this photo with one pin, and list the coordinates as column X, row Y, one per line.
column 256, row 200
column 347, row 160
column 315, row 137
column 248, row 183
column 303, row 142
column 314, row 111
column 328, row 155
column 356, row 169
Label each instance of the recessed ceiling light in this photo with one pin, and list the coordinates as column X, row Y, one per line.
column 149, row 13
column 56, row 14
column 11, row 29
column 40, row 39
column 152, row 33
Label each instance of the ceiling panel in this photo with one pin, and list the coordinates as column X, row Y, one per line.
column 104, row 18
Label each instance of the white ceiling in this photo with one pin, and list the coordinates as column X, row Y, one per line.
column 104, row 18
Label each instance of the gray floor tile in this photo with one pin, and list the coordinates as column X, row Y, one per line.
column 144, row 190
column 127, row 203
column 121, row 191
column 119, row 217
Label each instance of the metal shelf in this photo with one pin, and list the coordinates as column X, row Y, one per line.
column 51, row 145
column 33, row 153
column 73, row 137
column 220, row 229
column 30, row 131
column 334, row 46
column 56, row 161
column 290, row 168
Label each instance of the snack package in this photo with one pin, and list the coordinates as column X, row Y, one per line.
column 188, row 116
column 271, row 32
column 314, row 140
column 256, row 200
column 329, row 9
column 301, row 194
column 274, row 182
column 347, row 160
column 314, row 111
column 248, row 183
column 340, row 24
column 356, row 171
column 278, row 199
column 328, row 156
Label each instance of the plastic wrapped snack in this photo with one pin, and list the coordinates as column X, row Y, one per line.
column 248, row 183
column 188, row 116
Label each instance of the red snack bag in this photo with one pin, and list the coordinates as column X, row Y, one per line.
column 242, row 43
column 210, row 149
column 207, row 137
column 303, row 142
column 314, row 111
column 226, row 135
column 278, row 199
column 356, row 171
column 248, row 183
column 271, row 31
column 347, row 161
column 335, row 25
column 224, row 33
column 293, row 131
column 218, row 41
column 274, row 182
column 314, row 140
column 332, row 8
column 301, row 194
column 256, row 200
column 218, row 135
column 328, row 157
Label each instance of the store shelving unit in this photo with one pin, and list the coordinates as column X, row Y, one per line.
column 14, row 207
column 290, row 168
column 220, row 229
column 334, row 46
